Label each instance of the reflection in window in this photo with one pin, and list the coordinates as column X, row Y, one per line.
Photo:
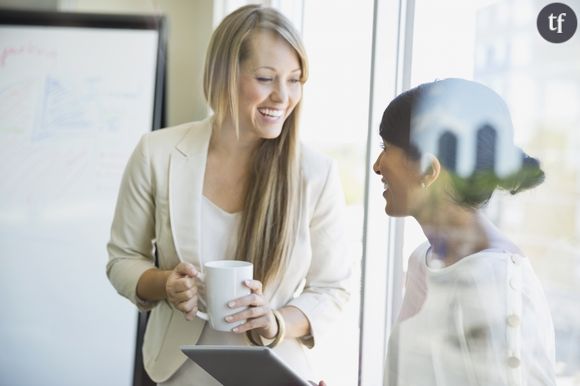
column 486, row 142
column 447, row 149
column 541, row 84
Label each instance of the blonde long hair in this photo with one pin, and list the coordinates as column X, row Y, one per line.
column 268, row 221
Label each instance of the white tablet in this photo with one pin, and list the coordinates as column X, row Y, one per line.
column 244, row 365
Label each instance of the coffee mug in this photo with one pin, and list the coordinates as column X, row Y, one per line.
column 224, row 282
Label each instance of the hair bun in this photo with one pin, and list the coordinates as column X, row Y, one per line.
column 530, row 175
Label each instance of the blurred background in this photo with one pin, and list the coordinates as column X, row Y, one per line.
column 63, row 324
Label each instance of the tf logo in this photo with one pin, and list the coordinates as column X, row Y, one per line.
column 557, row 22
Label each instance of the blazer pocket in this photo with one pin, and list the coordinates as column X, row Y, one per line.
column 157, row 328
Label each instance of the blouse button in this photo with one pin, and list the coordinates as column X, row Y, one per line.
column 513, row 320
column 515, row 259
column 513, row 362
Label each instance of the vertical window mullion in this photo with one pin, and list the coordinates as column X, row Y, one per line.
column 382, row 237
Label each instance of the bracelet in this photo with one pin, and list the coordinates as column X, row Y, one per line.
column 252, row 338
column 279, row 336
column 281, row 329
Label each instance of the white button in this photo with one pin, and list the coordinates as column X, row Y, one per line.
column 514, row 283
column 515, row 259
column 513, row 362
column 513, row 320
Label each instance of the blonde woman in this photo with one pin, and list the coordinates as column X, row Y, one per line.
column 237, row 185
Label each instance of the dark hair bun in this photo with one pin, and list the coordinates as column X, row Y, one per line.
column 529, row 176
column 477, row 189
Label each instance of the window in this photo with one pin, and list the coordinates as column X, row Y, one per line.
column 334, row 120
column 496, row 43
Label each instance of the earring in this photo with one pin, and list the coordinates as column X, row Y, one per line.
column 423, row 185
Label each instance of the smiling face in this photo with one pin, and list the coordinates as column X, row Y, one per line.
column 269, row 85
column 402, row 181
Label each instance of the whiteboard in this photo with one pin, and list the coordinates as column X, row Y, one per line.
column 74, row 102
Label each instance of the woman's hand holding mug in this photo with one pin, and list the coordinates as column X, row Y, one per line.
column 257, row 313
column 181, row 289
column 253, row 310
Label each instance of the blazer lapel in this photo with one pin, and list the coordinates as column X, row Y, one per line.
column 186, row 175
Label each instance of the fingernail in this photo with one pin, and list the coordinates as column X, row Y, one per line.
column 235, row 329
column 231, row 304
column 228, row 318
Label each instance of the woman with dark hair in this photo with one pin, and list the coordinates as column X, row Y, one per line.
column 474, row 312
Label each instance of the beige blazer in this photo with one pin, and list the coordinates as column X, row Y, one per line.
column 159, row 202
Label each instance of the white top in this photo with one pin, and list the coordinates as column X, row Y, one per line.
column 481, row 321
column 218, row 233
column 219, row 241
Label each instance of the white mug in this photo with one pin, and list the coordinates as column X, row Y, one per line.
column 224, row 282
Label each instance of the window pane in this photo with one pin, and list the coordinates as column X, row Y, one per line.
column 334, row 120
column 497, row 44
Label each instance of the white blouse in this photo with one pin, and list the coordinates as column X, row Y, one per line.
column 218, row 242
column 481, row 321
column 219, row 232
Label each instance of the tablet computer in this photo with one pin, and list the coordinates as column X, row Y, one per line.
column 244, row 365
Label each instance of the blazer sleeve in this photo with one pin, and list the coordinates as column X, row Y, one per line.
column 130, row 247
column 328, row 281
